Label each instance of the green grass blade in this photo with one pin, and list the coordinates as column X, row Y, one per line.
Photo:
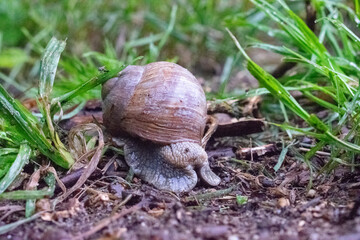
column 143, row 41
column 262, row 91
column 225, row 76
column 282, row 156
column 48, row 68
column 6, row 151
column 30, row 207
column 296, row 130
column 32, row 194
column 155, row 50
column 324, row 103
column 294, row 26
column 8, row 227
column 28, row 127
column 90, row 84
column 357, row 7
column 21, row 159
column 26, row 194
column 342, row 27
column 49, row 65
column 5, row 163
column 271, row 84
column 278, row 91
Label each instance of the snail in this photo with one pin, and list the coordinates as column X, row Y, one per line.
column 160, row 111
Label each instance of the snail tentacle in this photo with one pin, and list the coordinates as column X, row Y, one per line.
column 208, row 176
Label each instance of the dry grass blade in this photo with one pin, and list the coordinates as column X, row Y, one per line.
column 8, row 227
column 32, row 185
column 10, row 210
column 91, row 167
column 213, row 124
column 58, row 181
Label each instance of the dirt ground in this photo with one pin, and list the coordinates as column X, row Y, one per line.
column 278, row 205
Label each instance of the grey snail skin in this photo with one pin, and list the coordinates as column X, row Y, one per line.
column 159, row 110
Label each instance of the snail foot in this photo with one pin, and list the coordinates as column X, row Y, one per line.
column 147, row 162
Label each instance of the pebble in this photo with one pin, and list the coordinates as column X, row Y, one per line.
column 283, row 202
column 311, row 193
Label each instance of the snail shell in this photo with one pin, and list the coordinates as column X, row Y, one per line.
column 161, row 102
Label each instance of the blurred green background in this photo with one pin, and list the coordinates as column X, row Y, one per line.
column 189, row 32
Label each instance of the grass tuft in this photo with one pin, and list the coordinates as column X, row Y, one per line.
column 325, row 64
column 23, row 134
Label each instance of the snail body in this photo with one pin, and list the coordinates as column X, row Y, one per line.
column 160, row 111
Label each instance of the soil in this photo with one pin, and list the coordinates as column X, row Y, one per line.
column 278, row 206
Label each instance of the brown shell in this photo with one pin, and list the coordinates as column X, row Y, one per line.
column 161, row 102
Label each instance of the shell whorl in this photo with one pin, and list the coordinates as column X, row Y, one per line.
column 161, row 102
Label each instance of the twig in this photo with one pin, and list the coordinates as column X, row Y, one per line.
column 116, row 208
column 352, row 185
column 108, row 164
column 70, row 179
column 255, row 152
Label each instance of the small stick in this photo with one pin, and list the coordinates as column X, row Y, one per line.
column 70, row 179
column 108, row 164
column 250, row 153
column 127, row 199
